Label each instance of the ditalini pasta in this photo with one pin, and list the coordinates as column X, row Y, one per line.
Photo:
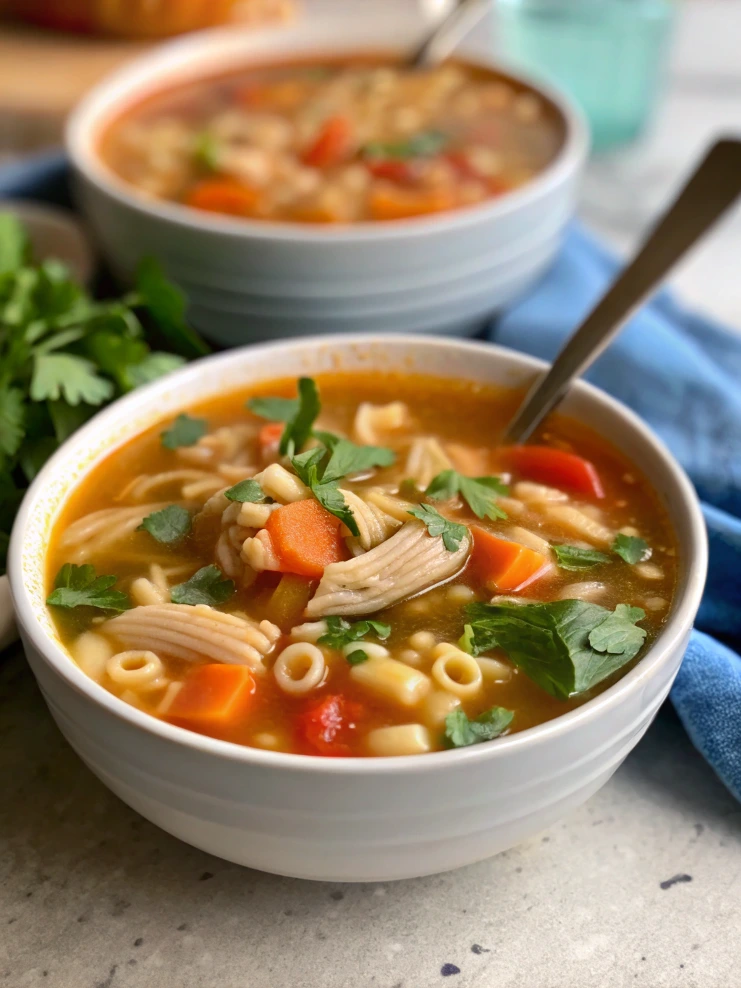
column 354, row 566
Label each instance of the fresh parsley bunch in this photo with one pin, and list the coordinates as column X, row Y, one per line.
column 63, row 354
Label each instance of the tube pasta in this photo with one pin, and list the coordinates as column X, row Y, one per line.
column 494, row 670
column 281, row 485
column 144, row 591
column 311, row 631
column 255, row 515
column 392, row 680
column 371, row 649
column 436, row 707
column 191, row 634
column 590, row 590
column 403, row 739
column 373, row 422
column 456, row 672
column 407, row 563
column 299, row 668
column 139, row 670
column 529, row 492
column 91, row 651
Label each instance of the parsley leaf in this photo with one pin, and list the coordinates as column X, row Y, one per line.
column 618, row 633
column 466, row 641
column 308, row 466
column 298, row 427
column 423, row 145
column 14, row 244
column 574, row 559
column 206, row 151
column 274, row 409
column 347, row 458
column 552, row 643
column 73, row 378
column 207, row 586
column 246, row 490
column 461, row 732
column 78, row 586
column 151, row 367
column 451, row 531
column 12, row 420
column 341, row 632
column 166, row 304
column 356, row 657
column 184, row 431
column 631, row 548
column 169, row 525
column 479, row 492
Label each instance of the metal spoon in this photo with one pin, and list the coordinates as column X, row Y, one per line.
column 712, row 188
column 448, row 33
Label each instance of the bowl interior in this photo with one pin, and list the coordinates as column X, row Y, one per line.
column 216, row 52
column 443, row 358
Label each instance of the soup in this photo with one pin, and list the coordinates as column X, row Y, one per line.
column 354, row 566
column 336, row 141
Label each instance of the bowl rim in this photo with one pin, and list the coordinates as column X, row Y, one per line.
column 693, row 566
column 137, row 77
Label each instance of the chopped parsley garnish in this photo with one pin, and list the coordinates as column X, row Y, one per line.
column 460, row 731
column 184, row 431
column 310, row 468
column 169, row 525
column 465, row 642
column 207, row 586
column 246, row 491
column 452, row 533
column 423, row 145
column 565, row 646
column 206, row 151
column 274, row 409
column 631, row 548
column 480, row 493
column 78, row 586
column 347, row 457
column 299, row 414
column 341, row 632
column 356, row 657
column 571, row 557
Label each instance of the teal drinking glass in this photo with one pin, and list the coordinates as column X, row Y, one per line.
column 609, row 55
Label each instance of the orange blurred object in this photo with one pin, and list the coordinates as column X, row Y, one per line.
column 142, row 18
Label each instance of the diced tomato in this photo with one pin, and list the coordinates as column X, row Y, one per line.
column 269, row 440
column 327, row 727
column 401, row 172
column 332, row 145
column 554, row 467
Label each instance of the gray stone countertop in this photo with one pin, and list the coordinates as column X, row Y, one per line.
column 640, row 887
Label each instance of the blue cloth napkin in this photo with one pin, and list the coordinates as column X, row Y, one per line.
column 682, row 374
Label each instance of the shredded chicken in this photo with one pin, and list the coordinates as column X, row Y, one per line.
column 192, row 633
column 406, row 564
column 374, row 524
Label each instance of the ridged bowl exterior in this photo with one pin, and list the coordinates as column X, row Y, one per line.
column 348, row 819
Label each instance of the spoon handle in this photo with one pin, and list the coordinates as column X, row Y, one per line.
column 447, row 34
column 711, row 189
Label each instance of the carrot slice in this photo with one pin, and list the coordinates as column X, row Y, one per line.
column 332, row 145
column 223, row 195
column 505, row 566
column 306, row 538
column 555, row 467
column 400, row 172
column 214, row 695
column 388, row 202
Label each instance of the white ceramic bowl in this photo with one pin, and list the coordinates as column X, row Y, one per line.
column 348, row 819
column 258, row 265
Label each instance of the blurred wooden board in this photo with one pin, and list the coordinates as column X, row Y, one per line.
column 43, row 75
